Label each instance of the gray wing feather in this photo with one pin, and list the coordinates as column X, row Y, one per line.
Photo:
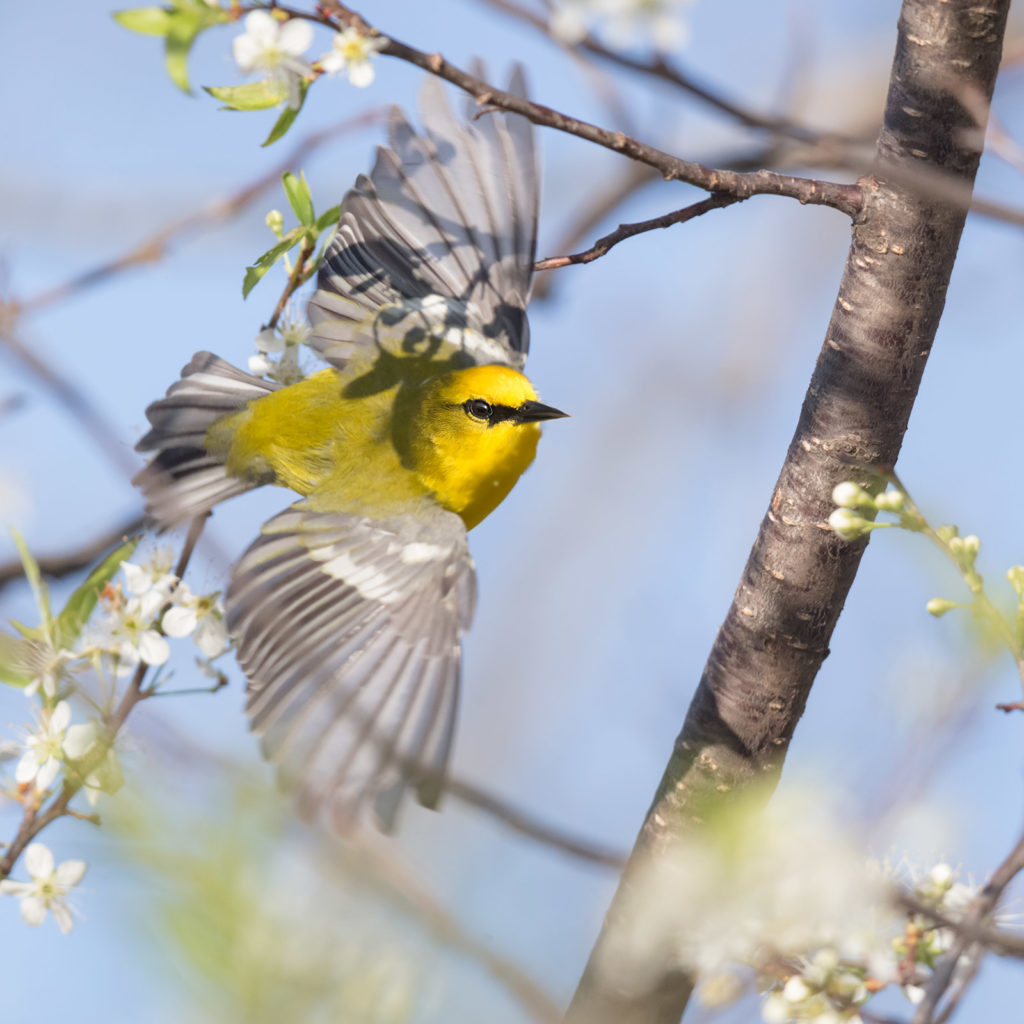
column 348, row 630
column 439, row 240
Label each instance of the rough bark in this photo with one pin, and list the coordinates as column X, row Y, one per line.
column 776, row 634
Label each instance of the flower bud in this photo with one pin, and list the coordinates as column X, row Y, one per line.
column 1015, row 574
column 850, row 495
column 890, row 501
column 847, row 525
column 938, row 606
column 275, row 222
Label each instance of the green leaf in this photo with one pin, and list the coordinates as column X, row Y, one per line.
column 254, row 274
column 187, row 19
column 149, row 21
column 31, row 633
column 252, row 96
column 301, row 202
column 13, row 661
column 329, row 219
column 288, row 115
column 35, row 581
column 80, row 605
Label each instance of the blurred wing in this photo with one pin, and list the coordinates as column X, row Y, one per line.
column 348, row 631
column 439, row 241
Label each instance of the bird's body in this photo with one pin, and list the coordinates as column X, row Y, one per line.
column 348, row 609
column 378, row 453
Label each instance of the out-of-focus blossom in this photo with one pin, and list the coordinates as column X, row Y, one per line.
column 48, row 887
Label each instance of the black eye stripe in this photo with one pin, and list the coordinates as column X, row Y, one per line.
column 481, row 409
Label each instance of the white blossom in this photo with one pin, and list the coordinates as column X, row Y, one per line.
column 201, row 616
column 154, row 573
column 130, row 627
column 45, row 749
column 48, row 888
column 274, row 49
column 352, row 52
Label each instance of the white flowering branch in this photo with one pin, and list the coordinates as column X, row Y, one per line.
column 980, row 908
column 37, row 817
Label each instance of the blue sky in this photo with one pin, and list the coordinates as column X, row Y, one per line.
column 682, row 356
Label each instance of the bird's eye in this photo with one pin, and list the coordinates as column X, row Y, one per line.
column 478, row 409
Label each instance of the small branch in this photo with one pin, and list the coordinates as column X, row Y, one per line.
column 977, row 911
column 624, row 231
column 57, row 566
column 528, row 826
column 659, row 68
column 991, row 938
column 295, row 278
column 843, row 197
column 157, row 245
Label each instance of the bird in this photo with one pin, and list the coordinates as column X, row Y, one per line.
column 349, row 609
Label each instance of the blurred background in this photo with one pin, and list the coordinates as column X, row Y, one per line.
column 682, row 357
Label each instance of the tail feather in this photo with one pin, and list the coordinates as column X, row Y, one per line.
column 183, row 479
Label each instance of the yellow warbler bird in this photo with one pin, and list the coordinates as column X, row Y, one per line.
column 349, row 608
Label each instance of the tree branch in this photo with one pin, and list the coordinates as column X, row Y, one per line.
column 845, row 198
column 603, row 245
column 776, row 634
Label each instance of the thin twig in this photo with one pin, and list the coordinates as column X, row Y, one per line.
column 658, row 67
column 847, row 198
column 526, row 825
column 157, row 245
column 624, row 231
column 68, row 562
column 977, row 911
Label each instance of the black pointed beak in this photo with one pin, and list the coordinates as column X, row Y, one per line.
column 534, row 412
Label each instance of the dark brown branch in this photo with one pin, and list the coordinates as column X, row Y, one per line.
column 776, row 634
column 842, row 197
column 68, row 562
column 624, row 231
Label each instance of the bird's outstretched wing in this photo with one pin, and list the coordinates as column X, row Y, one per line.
column 439, row 242
column 348, row 632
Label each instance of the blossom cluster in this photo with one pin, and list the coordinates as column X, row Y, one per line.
column 622, row 23
column 109, row 627
column 276, row 50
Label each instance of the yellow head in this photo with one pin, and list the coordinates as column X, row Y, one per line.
column 472, row 434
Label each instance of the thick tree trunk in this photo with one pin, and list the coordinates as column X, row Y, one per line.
column 776, row 634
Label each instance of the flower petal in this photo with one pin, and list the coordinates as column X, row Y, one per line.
column 62, row 915
column 47, row 773
column 295, row 37
column 79, row 739
column 33, row 910
column 28, row 767
column 153, row 648
column 361, row 73
column 179, row 621
column 60, row 718
column 211, row 636
column 71, row 872
column 38, row 860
